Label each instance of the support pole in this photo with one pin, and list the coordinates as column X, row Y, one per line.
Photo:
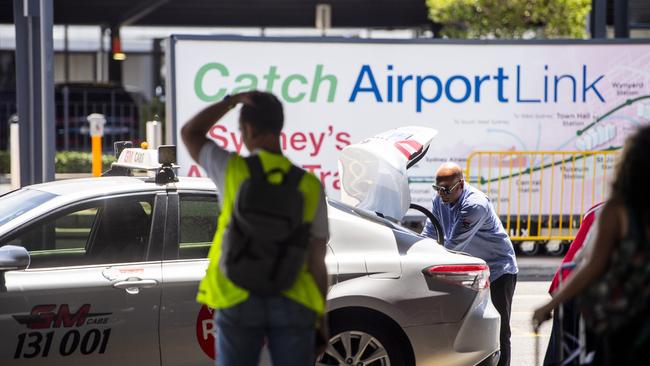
column 154, row 133
column 323, row 17
column 35, row 89
column 621, row 19
column 48, row 119
column 101, row 59
column 14, row 143
column 96, row 143
column 66, row 55
column 599, row 19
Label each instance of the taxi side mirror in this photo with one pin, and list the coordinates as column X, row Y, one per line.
column 13, row 258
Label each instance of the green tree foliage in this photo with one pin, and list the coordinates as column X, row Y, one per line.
column 511, row 18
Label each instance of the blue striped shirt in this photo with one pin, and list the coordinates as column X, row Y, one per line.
column 471, row 226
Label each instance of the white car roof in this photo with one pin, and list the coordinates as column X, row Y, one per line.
column 72, row 190
column 90, row 187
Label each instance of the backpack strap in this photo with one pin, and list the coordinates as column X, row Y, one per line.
column 293, row 176
column 255, row 167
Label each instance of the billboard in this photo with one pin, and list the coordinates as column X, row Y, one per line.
column 500, row 96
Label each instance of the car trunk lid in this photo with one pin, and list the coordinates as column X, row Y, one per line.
column 373, row 171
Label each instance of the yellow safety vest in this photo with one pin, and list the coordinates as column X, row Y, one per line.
column 216, row 290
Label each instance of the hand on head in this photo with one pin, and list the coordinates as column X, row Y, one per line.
column 245, row 98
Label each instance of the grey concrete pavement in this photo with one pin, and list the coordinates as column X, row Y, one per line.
column 526, row 345
column 537, row 268
column 533, row 280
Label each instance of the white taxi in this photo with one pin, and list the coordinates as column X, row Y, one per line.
column 104, row 271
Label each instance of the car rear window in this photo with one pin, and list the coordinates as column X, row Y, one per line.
column 16, row 203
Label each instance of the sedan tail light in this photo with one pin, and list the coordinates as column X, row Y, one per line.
column 473, row 276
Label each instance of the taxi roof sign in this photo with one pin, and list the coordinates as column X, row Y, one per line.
column 158, row 163
column 136, row 158
column 147, row 159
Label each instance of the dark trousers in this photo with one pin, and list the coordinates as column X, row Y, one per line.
column 501, row 291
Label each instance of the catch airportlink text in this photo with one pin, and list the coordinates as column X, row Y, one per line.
column 214, row 80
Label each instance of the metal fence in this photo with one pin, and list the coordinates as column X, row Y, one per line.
column 72, row 128
column 542, row 195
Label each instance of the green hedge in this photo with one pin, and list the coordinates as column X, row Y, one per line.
column 78, row 162
column 65, row 162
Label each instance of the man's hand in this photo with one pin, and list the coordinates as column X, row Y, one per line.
column 194, row 131
column 542, row 314
column 243, row 98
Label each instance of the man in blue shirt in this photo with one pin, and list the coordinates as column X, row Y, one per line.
column 471, row 226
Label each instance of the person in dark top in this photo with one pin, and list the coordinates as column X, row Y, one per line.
column 612, row 287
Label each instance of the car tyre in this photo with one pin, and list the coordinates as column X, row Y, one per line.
column 361, row 341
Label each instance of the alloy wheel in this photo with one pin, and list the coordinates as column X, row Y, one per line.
column 354, row 348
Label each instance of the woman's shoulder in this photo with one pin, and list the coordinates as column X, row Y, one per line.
column 614, row 205
column 614, row 214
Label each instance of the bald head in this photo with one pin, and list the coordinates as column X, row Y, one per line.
column 449, row 182
column 449, row 171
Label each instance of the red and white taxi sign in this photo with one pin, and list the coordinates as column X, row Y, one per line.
column 206, row 331
column 145, row 159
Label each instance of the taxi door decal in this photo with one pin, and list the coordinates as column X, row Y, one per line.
column 41, row 342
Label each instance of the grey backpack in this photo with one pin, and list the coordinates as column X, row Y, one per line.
column 265, row 244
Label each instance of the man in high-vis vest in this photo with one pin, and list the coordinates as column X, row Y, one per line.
column 293, row 323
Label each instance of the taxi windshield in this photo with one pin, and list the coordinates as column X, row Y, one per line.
column 16, row 203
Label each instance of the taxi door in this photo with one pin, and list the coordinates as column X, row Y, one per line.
column 186, row 328
column 91, row 293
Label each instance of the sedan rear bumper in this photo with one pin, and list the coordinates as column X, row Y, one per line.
column 468, row 342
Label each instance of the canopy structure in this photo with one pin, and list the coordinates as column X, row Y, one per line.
column 275, row 13
column 234, row 13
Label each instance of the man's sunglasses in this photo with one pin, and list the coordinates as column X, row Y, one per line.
column 445, row 190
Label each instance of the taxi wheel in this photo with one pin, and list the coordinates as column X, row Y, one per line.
column 361, row 342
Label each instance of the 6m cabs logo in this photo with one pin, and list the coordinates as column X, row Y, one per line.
column 51, row 316
column 44, row 317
